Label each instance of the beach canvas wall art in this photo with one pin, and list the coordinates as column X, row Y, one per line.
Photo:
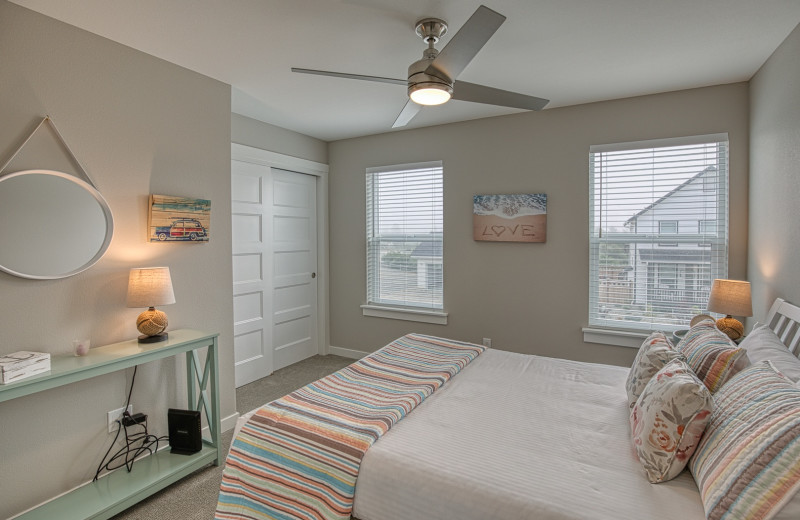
column 510, row 218
column 178, row 219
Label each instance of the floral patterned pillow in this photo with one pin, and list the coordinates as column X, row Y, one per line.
column 655, row 352
column 668, row 420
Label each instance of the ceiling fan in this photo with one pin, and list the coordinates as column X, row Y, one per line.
column 432, row 80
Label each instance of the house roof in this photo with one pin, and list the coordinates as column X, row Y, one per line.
column 428, row 250
column 673, row 255
column 671, row 193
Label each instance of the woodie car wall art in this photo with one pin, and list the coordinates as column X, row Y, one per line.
column 510, row 218
column 178, row 219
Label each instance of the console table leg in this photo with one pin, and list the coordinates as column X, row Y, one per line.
column 215, row 420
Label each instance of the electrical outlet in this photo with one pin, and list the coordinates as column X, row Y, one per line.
column 116, row 415
column 487, row 342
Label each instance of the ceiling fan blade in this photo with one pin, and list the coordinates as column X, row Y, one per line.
column 407, row 114
column 351, row 76
column 495, row 96
column 466, row 43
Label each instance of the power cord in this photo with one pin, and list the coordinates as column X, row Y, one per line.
column 137, row 443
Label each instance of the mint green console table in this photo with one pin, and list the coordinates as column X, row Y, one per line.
column 119, row 490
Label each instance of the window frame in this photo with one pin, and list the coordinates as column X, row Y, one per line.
column 618, row 332
column 374, row 306
column 661, row 227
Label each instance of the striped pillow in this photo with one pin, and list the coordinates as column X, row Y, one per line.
column 747, row 465
column 710, row 353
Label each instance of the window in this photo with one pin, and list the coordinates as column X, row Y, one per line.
column 706, row 227
column 658, row 230
column 404, row 238
column 667, row 276
column 667, row 227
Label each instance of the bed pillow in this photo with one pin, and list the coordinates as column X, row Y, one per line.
column 763, row 344
column 668, row 420
column 747, row 465
column 710, row 353
column 655, row 352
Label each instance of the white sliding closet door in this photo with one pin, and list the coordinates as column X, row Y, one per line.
column 275, row 282
column 294, row 250
column 251, row 205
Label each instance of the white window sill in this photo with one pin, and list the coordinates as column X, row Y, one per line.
column 620, row 338
column 396, row 313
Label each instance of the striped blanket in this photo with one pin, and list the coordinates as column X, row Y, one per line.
column 298, row 457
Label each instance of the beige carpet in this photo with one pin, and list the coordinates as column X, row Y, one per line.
column 195, row 497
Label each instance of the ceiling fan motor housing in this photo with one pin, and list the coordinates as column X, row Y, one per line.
column 430, row 30
column 418, row 79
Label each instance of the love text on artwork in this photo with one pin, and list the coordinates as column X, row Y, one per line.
column 520, row 230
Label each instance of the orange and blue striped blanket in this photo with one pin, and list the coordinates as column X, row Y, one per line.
column 298, row 457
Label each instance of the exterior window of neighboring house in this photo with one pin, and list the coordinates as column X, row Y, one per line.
column 658, row 230
column 667, row 276
column 707, row 227
column 667, row 227
column 404, row 238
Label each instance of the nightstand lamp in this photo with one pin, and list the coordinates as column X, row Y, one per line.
column 732, row 298
column 148, row 287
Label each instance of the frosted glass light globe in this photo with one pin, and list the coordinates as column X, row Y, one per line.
column 430, row 96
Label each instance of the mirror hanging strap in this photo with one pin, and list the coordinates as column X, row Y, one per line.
column 48, row 119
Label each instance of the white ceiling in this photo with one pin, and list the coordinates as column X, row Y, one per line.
column 569, row 51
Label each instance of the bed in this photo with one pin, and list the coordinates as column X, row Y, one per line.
column 516, row 436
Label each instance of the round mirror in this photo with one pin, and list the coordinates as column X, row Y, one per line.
column 52, row 224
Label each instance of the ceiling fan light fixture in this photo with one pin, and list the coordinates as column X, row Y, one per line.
column 430, row 93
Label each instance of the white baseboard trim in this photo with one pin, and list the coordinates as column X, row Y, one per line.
column 228, row 423
column 346, row 352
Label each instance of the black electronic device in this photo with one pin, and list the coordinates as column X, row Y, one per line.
column 133, row 420
column 185, row 437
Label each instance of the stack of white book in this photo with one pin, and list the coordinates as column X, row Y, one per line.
column 20, row 365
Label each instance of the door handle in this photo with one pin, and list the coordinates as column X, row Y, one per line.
column 313, row 275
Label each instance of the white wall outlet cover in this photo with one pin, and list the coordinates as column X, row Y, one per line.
column 487, row 342
column 116, row 415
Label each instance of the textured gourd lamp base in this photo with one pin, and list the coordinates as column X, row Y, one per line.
column 152, row 323
column 732, row 327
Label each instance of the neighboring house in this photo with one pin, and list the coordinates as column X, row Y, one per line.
column 675, row 266
column 429, row 264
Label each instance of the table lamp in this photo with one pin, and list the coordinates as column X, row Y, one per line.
column 732, row 298
column 148, row 287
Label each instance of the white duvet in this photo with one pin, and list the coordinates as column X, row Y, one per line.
column 518, row 437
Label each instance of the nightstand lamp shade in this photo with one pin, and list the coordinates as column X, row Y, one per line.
column 148, row 287
column 732, row 298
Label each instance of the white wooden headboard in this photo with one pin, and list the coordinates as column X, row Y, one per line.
column 784, row 319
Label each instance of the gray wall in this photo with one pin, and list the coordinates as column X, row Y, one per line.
column 774, row 256
column 139, row 125
column 529, row 298
column 265, row 136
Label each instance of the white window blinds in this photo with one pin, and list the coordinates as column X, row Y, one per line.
column 404, row 235
column 658, row 231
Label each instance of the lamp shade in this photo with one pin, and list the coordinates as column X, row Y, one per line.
column 150, row 286
column 731, row 297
